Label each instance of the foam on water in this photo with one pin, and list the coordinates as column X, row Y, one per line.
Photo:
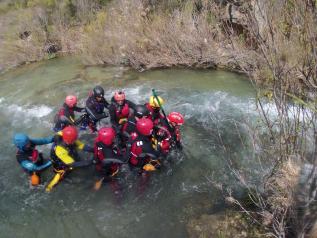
column 25, row 113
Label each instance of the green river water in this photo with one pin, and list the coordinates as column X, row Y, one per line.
column 218, row 108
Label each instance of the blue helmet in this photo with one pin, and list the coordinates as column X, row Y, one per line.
column 20, row 140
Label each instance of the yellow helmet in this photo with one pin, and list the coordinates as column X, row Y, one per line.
column 153, row 101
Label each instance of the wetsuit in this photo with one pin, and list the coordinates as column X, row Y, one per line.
column 103, row 152
column 130, row 125
column 95, row 110
column 155, row 114
column 29, row 159
column 65, row 157
column 142, row 151
column 67, row 112
column 119, row 113
column 166, row 137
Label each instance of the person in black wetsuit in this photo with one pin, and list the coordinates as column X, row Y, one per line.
column 95, row 107
column 66, row 115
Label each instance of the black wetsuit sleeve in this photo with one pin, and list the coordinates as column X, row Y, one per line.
column 79, row 109
column 113, row 117
column 67, row 113
column 131, row 125
column 90, row 108
column 105, row 103
column 132, row 105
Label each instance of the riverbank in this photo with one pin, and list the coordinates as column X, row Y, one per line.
column 140, row 34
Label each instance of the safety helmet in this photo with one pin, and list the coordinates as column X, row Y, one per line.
column 98, row 91
column 176, row 117
column 154, row 103
column 71, row 100
column 20, row 140
column 144, row 126
column 106, row 135
column 141, row 111
column 119, row 96
column 70, row 134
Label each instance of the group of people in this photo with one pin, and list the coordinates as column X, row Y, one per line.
column 139, row 135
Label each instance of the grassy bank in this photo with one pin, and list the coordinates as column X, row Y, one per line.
column 141, row 34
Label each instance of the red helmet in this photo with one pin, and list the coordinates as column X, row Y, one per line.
column 144, row 126
column 70, row 134
column 106, row 135
column 176, row 118
column 119, row 96
column 71, row 100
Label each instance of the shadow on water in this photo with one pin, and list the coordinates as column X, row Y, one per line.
column 218, row 108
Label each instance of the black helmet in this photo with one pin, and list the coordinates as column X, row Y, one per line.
column 98, row 91
column 141, row 111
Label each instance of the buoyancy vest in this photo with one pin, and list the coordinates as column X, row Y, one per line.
column 101, row 152
column 122, row 111
column 61, row 163
column 138, row 144
column 32, row 154
column 62, row 112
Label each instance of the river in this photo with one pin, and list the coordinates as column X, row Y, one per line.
column 218, row 108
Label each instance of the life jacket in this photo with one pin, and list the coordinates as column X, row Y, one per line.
column 122, row 111
column 71, row 149
column 99, row 154
column 32, row 154
column 61, row 112
column 161, row 139
column 137, row 142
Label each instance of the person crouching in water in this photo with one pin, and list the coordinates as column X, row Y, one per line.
column 154, row 106
column 168, row 136
column 107, row 157
column 64, row 154
column 141, row 152
column 66, row 115
column 95, row 107
column 28, row 156
column 119, row 110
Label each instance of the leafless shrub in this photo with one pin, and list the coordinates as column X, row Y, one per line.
column 284, row 60
column 131, row 33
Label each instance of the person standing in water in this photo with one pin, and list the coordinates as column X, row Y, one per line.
column 64, row 154
column 66, row 115
column 28, row 156
column 95, row 107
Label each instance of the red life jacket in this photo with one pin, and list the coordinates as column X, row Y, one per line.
column 31, row 155
column 35, row 155
column 136, row 149
column 99, row 155
column 124, row 112
column 61, row 112
column 164, row 136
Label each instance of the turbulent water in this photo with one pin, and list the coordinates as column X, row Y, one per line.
column 218, row 108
